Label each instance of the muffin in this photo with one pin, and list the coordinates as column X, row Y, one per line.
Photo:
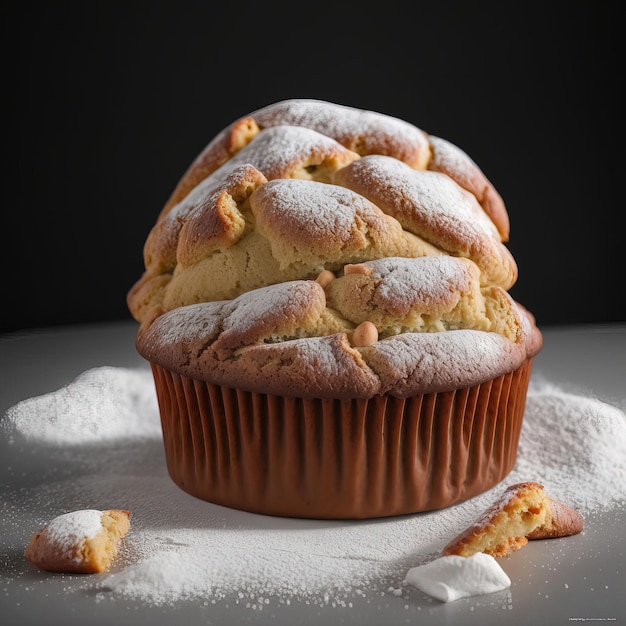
column 325, row 307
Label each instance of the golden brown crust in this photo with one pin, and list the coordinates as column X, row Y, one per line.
column 221, row 149
column 318, row 225
column 455, row 163
column 563, row 521
column 523, row 512
column 84, row 542
column 274, row 338
column 400, row 233
column 424, row 294
column 212, row 229
column 433, row 206
column 360, row 131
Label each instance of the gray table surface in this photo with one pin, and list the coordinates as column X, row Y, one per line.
column 583, row 359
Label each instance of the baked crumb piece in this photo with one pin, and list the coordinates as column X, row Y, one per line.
column 523, row 512
column 84, row 541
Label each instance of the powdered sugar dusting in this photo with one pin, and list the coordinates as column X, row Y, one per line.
column 317, row 210
column 406, row 283
column 183, row 548
column 412, row 361
column 332, row 119
column 275, row 151
column 374, row 132
column 451, row 158
column 65, row 531
column 425, row 200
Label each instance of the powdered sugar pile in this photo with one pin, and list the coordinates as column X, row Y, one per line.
column 103, row 404
column 182, row 548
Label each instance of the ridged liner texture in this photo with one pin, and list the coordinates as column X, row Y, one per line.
column 339, row 458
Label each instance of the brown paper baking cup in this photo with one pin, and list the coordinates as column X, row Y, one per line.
column 339, row 458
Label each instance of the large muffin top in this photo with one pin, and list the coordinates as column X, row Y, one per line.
column 314, row 249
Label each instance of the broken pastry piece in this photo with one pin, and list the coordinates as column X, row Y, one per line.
column 84, row 542
column 523, row 512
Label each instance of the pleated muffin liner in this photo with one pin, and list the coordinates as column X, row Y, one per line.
column 339, row 458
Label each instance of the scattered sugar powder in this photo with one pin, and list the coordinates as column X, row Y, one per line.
column 182, row 548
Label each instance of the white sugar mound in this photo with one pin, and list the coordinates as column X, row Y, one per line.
column 102, row 404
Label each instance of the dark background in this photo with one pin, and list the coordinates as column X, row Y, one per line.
column 108, row 103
